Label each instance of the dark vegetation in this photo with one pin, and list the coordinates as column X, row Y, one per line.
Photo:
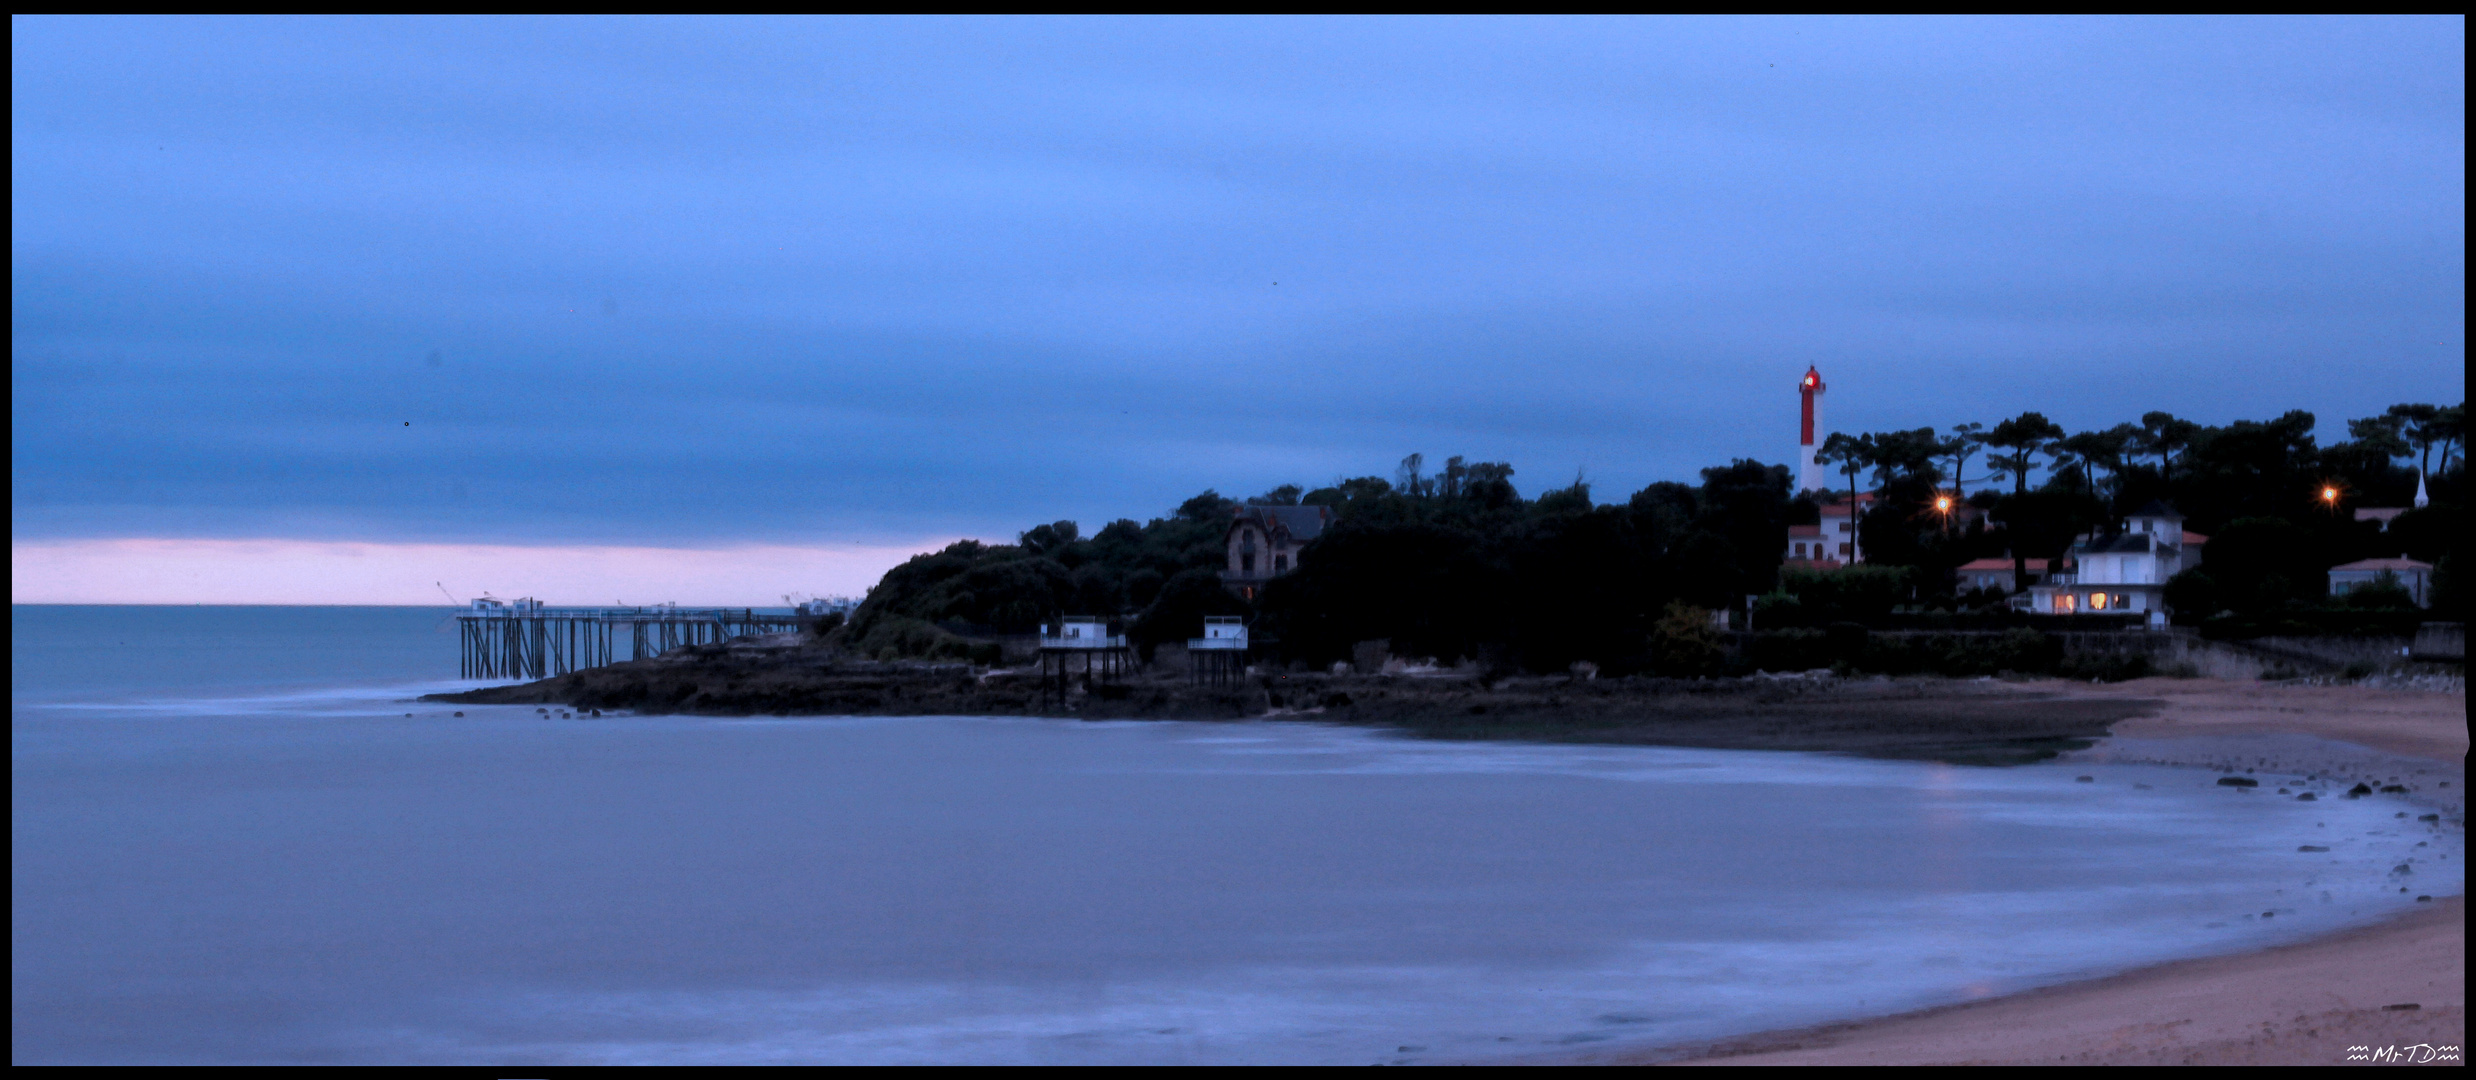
column 1457, row 565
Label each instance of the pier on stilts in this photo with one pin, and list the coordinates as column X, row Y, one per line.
column 523, row 639
column 1104, row 654
column 1219, row 658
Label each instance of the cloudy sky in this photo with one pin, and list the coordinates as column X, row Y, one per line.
column 311, row 309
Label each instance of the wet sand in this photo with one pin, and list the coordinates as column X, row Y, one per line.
column 2303, row 1004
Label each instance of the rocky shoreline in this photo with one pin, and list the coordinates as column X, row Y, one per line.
column 1979, row 721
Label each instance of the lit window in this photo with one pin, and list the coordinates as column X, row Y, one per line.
column 2097, row 601
column 2064, row 602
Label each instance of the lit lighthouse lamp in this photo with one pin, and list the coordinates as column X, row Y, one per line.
column 1809, row 474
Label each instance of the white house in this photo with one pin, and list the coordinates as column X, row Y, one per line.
column 1080, row 632
column 1832, row 541
column 1221, row 632
column 2415, row 577
column 2126, row 573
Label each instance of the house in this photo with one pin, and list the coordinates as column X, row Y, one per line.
column 1832, row 543
column 1221, row 632
column 2126, row 572
column 1082, row 633
column 1996, row 573
column 1264, row 542
column 1806, row 550
column 2415, row 577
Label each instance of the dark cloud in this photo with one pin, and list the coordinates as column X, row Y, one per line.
column 751, row 280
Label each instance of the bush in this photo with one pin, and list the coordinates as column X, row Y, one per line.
column 1796, row 649
column 1856, row 592
column 2192, row 596
column 1849, row 647
column 2105, row 668
column 2383, row 593
column 1684, row 643
column 1778, row 611
column 2445, row 591
column 2314, row 622
column 899, row 637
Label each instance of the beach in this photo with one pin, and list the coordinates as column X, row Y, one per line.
column 2314, row 1002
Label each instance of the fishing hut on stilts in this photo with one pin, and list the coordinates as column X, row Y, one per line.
column 524, row 639
column 1219, row 658
column 1101, row 649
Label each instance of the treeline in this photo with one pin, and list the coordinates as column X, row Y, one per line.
column 1455, row 563
column 2277, row 507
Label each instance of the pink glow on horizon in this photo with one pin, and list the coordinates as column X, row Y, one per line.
column 173, row 571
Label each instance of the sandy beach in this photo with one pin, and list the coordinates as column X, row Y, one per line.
column 2396, row 987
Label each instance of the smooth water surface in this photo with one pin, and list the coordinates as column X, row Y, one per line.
column 263, row 868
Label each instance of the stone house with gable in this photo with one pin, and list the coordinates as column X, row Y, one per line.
column 1264, row 542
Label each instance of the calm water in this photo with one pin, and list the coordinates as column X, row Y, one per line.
column 230, row 844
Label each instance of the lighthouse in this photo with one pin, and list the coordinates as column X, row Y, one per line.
column 1809, row 474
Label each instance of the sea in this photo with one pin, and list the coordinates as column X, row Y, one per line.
column 237, row 837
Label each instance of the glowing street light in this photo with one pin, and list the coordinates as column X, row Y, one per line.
column 2329, row 494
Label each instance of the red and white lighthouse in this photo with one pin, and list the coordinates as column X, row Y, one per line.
column 1809, row 473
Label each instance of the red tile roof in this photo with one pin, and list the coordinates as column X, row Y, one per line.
column 2384, row 564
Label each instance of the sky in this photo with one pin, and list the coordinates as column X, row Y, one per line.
column 374, row 310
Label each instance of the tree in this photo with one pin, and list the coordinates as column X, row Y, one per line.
column 1048, row 539
column 2021, row 438
column 1964, row 441
column 1853, row 454
column 2420, row 425
column 1413, row 482
column 1905, row 455
column 2384, row 433
column 2263, row 563
column 2450, row 427
column 2164, row 435
column 2252, row 468
column 1745, row 507
column 2095, row 450
column 1285, row 495
column 1207, row 507
column 1490, row 484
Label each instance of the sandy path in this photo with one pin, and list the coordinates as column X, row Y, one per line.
column 2302, row 1004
